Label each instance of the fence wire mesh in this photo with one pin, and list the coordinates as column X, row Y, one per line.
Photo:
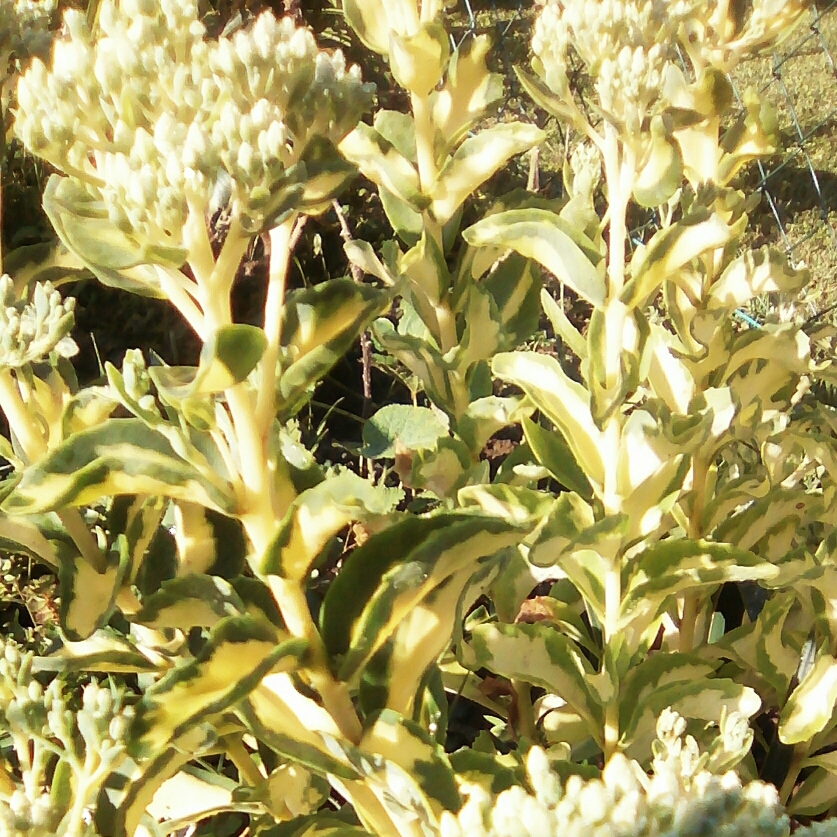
column 799, row 80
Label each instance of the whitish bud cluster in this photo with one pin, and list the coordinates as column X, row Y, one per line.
column 24, row 28
column 625, row 45
column 147, row 114
column 42, row 728
column 680, row 798
column 32, row 330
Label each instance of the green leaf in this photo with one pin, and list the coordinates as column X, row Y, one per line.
column 393, row 676
column 113, row 256
column 295, row 726
column 120, row 456
column 485, row 416
column 189, row 601
column 405, row 220
column 476, row 160
column 811, row 704
column 316, row 516
column 552, row 451
column 399, row 129
column 563, row 401
column 88, row 596
column 370, row 22
column 673, row 566
column 653, row 673
column 239, row 652
column 562, row 326
column 816, row 794
column 543, row 236
column 318, row 327
column 208, row 542
column 515, row 287
column 128, row 792
column 698, row 700
column 402, row 742
column 23, row 535
column 105, row 651
column 425, row 267
column 228, row 356
column 401, row 427
column 48, row 261
column 378, row 160
column 507, row 502
column 444, row 386
column 385, row 579
column 468, row 92
column 674, row 247
column 540, row 655
column 326, row 175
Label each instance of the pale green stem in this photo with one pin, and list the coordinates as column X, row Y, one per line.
column 448, row 338
column 526, row 727
column 200, row 258
column 290, row 597
column 176, row 288
column 243, row 761
column 280, row 255
column 21, row 423
column 428, row 170
column 83, row 539
column 691, row 600
column 617, row 208
column 216, row 291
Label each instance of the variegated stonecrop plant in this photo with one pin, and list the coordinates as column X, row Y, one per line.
column 186, row 520
column 687, row 454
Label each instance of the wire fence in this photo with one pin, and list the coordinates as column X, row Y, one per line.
column 799, row 79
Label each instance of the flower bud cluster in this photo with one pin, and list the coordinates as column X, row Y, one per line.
column 147, row 113
column 24, row 28
column 41, row 726
column 680, row 798
column 625, row 45
column 30, row 331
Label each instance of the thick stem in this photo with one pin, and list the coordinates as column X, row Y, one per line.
column 611, row 729
column 215, row 291
column 21, row 424
column 425, row 154
column 243, row 761
column 175, row 286
column 280, row 255
column 448, row 338
column 526, row 727
column 335, row 695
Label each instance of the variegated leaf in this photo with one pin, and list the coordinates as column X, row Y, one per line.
column 811, row 704
column 403, row 742
column 541, row 235
column 239, row 652
column 395, row 571
column 316, row 516
column 88, row 596
column 563, row 401
column 120, row 456
column 540, row 655
column 319, row 325
column 477, row 159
